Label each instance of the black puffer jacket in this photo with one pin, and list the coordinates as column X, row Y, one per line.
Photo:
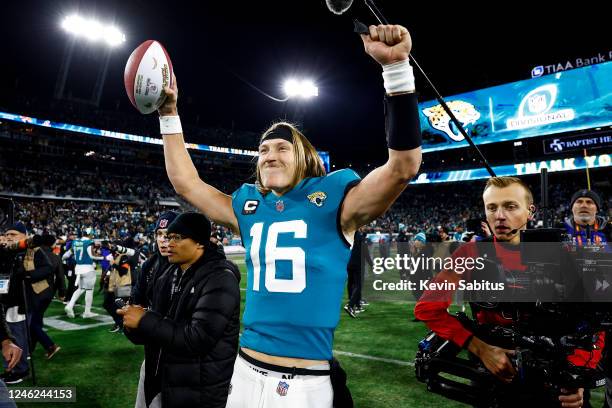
column 195, row 334
column 150, row 271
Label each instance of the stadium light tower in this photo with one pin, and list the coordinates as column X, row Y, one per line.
column 95, row 32
column 293, row 88
column 304, row 89
column 296, row 91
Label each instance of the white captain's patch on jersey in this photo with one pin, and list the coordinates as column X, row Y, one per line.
column 250, row 206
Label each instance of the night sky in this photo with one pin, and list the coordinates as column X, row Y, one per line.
column 462, row 46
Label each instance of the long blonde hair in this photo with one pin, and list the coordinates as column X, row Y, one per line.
column 307, row 160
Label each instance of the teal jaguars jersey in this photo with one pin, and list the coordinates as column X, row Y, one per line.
column 296, row 258
column 80, row 252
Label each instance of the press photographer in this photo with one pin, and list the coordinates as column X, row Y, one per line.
column 13, row 255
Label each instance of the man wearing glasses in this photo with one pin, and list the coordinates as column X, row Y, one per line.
column 192, row 320
column 151, row 270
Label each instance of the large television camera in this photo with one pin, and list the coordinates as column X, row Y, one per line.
column 565, row 303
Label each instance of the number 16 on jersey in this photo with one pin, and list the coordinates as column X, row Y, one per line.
column 273, row 253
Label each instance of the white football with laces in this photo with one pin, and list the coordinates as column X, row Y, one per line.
column 147, row 72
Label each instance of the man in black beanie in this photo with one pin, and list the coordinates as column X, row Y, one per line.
column 192, row 321
column 584, row 226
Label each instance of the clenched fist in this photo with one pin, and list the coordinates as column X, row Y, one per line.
column 387, row 44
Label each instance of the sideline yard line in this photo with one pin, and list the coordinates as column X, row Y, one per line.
column 239, row 259
column 366, row 357
column 58, row 324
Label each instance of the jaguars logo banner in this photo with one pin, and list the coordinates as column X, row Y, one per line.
column 465, row 112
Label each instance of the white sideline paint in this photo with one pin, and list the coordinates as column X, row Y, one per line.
column 54, row 322
column 233, row 250
column 101, row 309
column 366, row 357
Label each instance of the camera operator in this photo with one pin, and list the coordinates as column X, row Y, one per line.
column 118, row 279
column 508, row 204
column 192, row 321
column 14, row 301
column 12, row 353
column 118, row 284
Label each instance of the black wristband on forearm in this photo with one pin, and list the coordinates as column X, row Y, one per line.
column 402, row 122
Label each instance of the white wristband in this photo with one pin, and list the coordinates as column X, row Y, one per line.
column 170, row 125
column 398, row 77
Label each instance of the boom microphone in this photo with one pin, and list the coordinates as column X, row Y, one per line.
column 338, row 6
column 514, row 231
column 341, row 6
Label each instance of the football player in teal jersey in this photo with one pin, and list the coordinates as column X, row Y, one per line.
column 82, row 252
column 297, row 226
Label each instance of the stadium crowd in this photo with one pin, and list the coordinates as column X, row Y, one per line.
column 116, row 120
column 135, row 202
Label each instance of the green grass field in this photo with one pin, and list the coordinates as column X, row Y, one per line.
column 376, row 350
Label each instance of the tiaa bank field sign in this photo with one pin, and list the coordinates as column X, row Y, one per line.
column 540, row 70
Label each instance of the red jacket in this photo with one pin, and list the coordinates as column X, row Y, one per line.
column 432, row 307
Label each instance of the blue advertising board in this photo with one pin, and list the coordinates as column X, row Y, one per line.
column 135, row 138
column 563, row 102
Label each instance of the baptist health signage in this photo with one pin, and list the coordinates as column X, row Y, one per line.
column 565, row 144
column 568, row 101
